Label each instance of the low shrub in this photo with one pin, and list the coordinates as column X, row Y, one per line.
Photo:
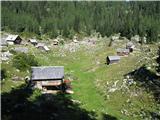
column 24, row 61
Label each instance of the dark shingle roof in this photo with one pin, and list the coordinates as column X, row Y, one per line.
column 47, row 73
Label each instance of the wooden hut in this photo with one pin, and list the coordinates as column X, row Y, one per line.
column 122, row 52
column 55, row 42
column 130, row 46
column 48, row 78
column 33, row 41
column 42, row 46
column 112, row 59
column 13, row 39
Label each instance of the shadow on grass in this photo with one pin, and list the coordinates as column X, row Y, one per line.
column 147, row 79
column 155, row 116
column 17, row 106
column 109, row 117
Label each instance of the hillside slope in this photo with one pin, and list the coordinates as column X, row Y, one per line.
column 101, row 89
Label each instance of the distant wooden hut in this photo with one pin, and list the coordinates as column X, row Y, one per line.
column 13, row 39
column 130, row 46
column 55, row 42
column 33, row 41
column 48, row 78
column 112, row 59
column 122, row 52
column 42, row 46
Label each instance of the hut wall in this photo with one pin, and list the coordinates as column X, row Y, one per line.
column 41, row 47
column 34, row 43
column 55, row 43
column 114, row 61
column 38, row 84
column 48, row 84
column 10, row 42
column 122, row 53
column 17, row 41
column 111, row 61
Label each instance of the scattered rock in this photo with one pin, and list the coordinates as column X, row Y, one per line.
column 108, row 97
column 16, row 78
column 148, row 68
column 76, row 101
column 130, row 82
column 128, row 101
column 124, row 111
column 17, row 70
column 112, row 90
column 6, row 56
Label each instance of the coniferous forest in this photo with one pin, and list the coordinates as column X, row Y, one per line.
column 82, row 17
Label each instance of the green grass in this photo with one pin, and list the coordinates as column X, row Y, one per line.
column 83, row 65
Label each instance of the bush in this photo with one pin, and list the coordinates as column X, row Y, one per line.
column 61, row 42
column 12, row 51
column 24, row 61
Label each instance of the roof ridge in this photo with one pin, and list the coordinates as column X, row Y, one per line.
column 45, row 66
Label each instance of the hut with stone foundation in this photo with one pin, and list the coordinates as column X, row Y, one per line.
column 130, row 46
column 48, row 78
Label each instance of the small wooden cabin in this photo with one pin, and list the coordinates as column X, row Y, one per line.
column 122, row 52
column 55, row 42
column 13, row 39
column 112, row 59
column 33, row 41
column 42, row 46
column 48, row 78
column 130, row 46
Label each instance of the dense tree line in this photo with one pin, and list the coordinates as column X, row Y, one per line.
column 67, row 18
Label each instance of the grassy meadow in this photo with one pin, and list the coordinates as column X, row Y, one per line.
column 91, row 76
